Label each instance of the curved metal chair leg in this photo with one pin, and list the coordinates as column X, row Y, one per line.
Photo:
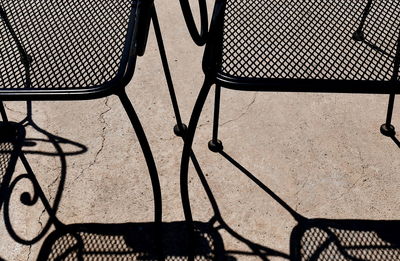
column 387, row 128
column 186, row 154
column 187, row 148
column 147, row 154
column 179, row 128
column 215, row 145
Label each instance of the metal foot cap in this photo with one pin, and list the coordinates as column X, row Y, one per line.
column 388, row 130
column 215, row 146
column 180, row 130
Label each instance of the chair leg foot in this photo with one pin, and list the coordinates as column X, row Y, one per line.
column 215, row 146
column 388, row 130
column 180, row 130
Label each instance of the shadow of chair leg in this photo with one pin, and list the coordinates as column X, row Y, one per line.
column 11, row 140
column 11, row 147
column 261, row 251
column 329, row 239
column 31, row 199
column 395, row 140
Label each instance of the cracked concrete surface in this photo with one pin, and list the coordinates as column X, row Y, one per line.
column 321, row 153
column 103, row 138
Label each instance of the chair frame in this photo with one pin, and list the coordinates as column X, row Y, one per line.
column 137, row 33
column 137, row 37
column 211, row 60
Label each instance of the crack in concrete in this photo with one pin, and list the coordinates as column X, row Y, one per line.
column 8, row 108
column 243, row 113
column 103, row 121
column 363, row 166
column 204, row 124
column 40, row 218
column 103, row 138
column 298, row 201
column 246, row 110
column 29, row 253
column 49, row 200
column 50, row 193
column 170, row 139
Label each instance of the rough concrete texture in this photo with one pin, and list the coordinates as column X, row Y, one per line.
column 321, row 153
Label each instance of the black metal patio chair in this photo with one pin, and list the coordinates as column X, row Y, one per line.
column 75, row 50
column 296, row 46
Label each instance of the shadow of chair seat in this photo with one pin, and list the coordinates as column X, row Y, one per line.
column 132, row 241
column 325, row 240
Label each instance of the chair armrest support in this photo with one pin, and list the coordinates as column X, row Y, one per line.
column 199, row 37
column 144, row 14
column 214, row 41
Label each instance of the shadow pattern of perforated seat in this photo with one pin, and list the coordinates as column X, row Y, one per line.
column 342, row 240
column 133, row 241
column 309, row 39
column 71, row 44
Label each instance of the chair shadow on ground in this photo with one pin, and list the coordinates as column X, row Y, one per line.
column 129, row 241
column 395, row 140
column 132, row 241
column 14, row 147
column 311, row 239
column 329, row 239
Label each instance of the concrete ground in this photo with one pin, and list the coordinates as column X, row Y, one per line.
column 322, row 154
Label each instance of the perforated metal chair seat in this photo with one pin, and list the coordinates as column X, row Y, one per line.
column 342, row 240
column 73, row 47
column 286, row 44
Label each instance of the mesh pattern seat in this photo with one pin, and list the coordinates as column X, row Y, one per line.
column 130, row 242
column 347, row 240
column 309, row 40
column 71, row 44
